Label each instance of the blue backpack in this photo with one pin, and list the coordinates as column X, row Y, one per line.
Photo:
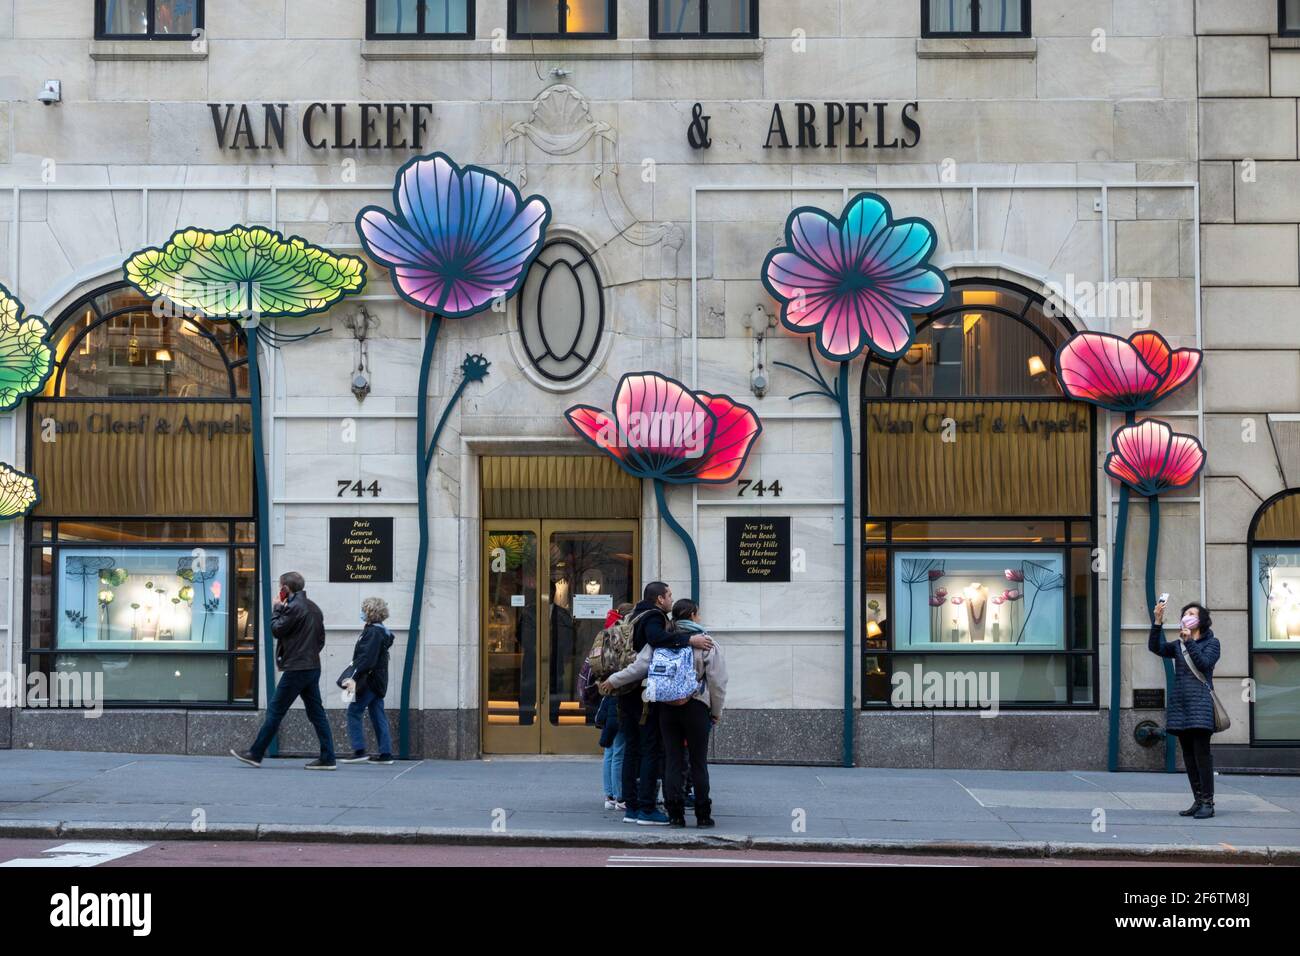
column 672, row 675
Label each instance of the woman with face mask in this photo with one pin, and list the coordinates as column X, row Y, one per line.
column 1190, row 712
column 368, row 684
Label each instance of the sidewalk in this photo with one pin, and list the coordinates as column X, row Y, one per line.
column 557, row 801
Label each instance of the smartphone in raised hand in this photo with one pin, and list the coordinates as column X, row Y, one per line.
column 1164, row 598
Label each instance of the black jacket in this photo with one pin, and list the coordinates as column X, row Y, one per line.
column 653, row 629
column 299, row 631
column 370, row 660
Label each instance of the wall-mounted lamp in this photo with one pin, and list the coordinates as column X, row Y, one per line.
column 359, row 324
column 51, row 93
column 759, row 322
column 1036, row 366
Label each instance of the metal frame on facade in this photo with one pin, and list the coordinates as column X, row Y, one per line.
column 703, row 32
column 421, row 32
column 102, row 8
column 1026, row 20
column 1253, row 543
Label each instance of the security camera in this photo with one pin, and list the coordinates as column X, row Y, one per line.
column 758, row 383
column 51, row 93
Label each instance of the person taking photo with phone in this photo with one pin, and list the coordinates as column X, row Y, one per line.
column 1193, row 713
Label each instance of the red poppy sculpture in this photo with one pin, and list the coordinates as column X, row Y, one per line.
column 853, row 283
column 662, row 431
column 1129, row 376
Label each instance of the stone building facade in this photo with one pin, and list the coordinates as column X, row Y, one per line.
column 1095, row 161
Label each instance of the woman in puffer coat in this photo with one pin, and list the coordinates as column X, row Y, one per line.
column 1189, row 714
column 369, row 684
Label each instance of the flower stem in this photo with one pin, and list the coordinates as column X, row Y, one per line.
column 850, row 553
column 422, row 555
column 1153, row 548
column 685, row 538
column 261, row 494
column 1116, row 612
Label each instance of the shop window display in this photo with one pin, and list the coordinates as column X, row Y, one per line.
column 131, row 599
column 976, row 601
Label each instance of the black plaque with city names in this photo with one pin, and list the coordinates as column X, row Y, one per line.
column 758, row 549
column 361, row 550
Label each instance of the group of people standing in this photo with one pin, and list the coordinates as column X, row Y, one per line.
column 654, row 735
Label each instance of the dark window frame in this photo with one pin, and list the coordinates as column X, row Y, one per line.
column 703, row 33
column 561, row 18
column 421, row 33
column 1255, row 543
column 232, row 543
column 586, row 261
column 1282, row 30
column 101, row 24
column 1074, row 650
column 1027, row 24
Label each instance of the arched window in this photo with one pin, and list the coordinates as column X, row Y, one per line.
column 114, row 343
column 141, row 557
column 1274, row 581
column 979, row 504
column 994, row 341
column 562, row 312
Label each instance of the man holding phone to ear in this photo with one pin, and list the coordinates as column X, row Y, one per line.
column 299, row 631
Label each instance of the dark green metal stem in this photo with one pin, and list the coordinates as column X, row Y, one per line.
column 422, row 555
column 262, row 495
column 682, row 535
column 1153, row 549
column 846, row 428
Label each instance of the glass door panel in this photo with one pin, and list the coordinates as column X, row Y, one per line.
column 510, row 639
column 592, row 568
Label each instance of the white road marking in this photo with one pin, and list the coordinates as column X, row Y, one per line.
column 81, row 854
column 621, row 861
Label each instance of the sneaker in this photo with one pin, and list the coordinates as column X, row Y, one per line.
column 677, row 823
column 610, row 803
column 322, row 765
column 631, row 816
column 652, row 818
column 1205, row 811
column 690, row 800
column 358, row 757
column 384, row 759
column 705, row 823
column 244, row 756
column 620, row 804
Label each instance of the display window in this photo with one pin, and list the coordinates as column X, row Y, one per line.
column 979, row 497
column 143, row 580
column 1274, row 581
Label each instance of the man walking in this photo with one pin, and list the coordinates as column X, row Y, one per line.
column 299, row 631
column 643, row 754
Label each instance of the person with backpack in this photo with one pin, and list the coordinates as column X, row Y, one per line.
column 613, row 651
column 687, row 685
column 612, row 739
column 368, row 683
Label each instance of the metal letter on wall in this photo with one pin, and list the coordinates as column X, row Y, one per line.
column 977, row 459
column 145, row 459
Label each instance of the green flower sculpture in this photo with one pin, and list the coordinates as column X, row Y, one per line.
column 245, row 271
column 25, row 358
column 18, row 494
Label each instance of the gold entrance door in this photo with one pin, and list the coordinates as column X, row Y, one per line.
column 547, row 586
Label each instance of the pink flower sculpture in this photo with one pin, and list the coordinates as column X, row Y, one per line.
column 957, row 602
column 855, row 280
column 936, row 601
column 1123, row 375
column 935, row 575
column 1013, row 575
column 662, row 430
column 1015, row 594
column 998, row 600
column 1151, row 458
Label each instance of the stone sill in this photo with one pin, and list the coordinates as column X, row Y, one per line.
column 1284, row 43
column 145, row 50
column 975, row 48
column 563, row 50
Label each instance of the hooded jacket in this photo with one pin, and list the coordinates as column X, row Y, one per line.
column 370, row 659
column 299, row 631
column 653, row 628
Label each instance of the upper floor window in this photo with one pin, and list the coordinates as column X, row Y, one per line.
column 147, row 19
column 1288, row 17
column 557, row 19
column 703, row 18
column 975, row 18
column 406, row 19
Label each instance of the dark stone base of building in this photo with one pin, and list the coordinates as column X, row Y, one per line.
column 925, row 740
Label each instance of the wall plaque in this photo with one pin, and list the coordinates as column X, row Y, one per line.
column 361, row 550
column 1149, row 698
column 758, row 549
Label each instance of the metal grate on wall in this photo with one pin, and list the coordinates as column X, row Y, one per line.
column 557, row 486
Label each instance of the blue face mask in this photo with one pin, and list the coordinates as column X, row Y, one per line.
column 363, row 617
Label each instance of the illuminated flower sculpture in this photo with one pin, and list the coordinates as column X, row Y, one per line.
column 25, row 359
column 18, row 494
column 662, row 431
column 244, row 275
column 853, row 282
column 458, row 240
column 1129, row 376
